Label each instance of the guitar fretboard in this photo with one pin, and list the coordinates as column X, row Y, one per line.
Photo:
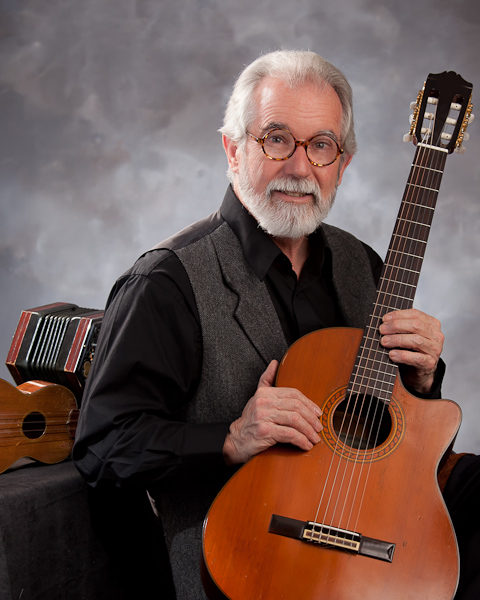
column 374, row 372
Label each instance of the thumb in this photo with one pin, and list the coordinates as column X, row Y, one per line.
column 267, row 379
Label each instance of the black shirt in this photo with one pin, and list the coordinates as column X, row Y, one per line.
column 149, row 357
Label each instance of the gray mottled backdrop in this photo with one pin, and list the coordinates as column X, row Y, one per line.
column 109, row 111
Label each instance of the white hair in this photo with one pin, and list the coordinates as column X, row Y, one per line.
column 295, row 68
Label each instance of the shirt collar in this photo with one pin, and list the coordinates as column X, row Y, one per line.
column 259, row 249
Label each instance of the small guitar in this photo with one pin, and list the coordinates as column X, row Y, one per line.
column 360, row 516
column 37, row 420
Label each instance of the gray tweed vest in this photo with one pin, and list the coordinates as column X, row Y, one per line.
column 241, row 334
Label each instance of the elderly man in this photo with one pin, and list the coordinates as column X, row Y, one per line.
column 181, row 391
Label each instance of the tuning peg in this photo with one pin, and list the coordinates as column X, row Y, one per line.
column 470, row 118
column 466, row 136
column 408, row 137
column 413, row 105
column 460, row 150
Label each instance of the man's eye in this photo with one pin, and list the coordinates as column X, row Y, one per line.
column 323, row 144
column 276, row 139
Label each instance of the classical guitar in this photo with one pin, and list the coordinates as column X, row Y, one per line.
column 360, row 516
column 37, row 420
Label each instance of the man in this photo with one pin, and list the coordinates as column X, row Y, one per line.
column 182, row 387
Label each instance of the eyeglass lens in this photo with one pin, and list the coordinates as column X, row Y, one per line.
column 280, row 143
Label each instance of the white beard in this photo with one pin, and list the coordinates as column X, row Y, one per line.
column 286, row 219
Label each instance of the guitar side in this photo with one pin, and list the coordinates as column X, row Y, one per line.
column 402, row 504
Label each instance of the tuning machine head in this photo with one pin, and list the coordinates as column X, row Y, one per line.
column 441, row 113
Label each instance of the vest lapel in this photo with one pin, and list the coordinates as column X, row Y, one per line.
column 352, row 276
column 255, row 312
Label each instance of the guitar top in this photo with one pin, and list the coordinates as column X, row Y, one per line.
column 37, row 420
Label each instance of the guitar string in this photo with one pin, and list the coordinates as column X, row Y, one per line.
column 20, row 417
column 377, row 384
column 347, row 433
column 19, row 427
column 36, row 426
column 405, row 258
column 364, row 382
column 368, row 441
column 414, row 223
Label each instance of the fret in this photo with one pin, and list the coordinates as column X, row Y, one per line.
column 398, row 296
column 379, row 394
column 414, row 222
column 423, row 187
column 383, row 395
column 360, row 383
column 416, row 204
column 396, row 288
column 387, row 307
column 402, row 253
column 373, row 371
column 400, row 268
column 412, row 285
column 371, row 387
column 427, row 168
column 396, row 292
column 384, row 299
column 380, row 352
column 408, row 238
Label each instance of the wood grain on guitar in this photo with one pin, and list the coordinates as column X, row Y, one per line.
column 360, row 516
column 37, row 420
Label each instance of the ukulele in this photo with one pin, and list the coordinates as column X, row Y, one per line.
column 37, row 420
column 360, row 516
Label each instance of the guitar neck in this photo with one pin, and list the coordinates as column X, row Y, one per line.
column 374, row 373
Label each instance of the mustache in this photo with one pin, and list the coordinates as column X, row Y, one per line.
column 296, row 186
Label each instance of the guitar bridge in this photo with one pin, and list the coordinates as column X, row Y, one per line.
column 332, row 537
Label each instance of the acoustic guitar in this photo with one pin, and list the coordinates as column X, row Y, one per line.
column 360, row 516
column 37, row 420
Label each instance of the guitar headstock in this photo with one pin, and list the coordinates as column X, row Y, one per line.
column 442, row 112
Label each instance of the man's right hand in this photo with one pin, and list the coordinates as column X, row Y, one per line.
column 272, row 415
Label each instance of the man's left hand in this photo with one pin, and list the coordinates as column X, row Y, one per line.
column 416, row 340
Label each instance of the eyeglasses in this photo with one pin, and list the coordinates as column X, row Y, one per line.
column 279, row 144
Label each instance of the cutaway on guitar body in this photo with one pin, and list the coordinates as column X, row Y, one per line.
column 386, row 493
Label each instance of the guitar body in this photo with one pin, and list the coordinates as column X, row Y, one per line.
column 37, row 420
column 387, row 492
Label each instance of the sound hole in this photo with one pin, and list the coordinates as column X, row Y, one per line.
column 362, row 421
column 34, row 425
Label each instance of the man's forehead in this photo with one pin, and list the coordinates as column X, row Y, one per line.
column 306, row 105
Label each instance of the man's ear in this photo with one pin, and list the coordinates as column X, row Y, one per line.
column 231, row 150
column 347, row 160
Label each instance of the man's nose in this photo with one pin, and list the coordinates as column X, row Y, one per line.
column 298, row 164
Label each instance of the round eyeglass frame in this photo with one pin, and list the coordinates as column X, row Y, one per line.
column 261, row 141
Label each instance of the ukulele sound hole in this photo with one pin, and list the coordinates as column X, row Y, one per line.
column 362, row 421
column 34, row 425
